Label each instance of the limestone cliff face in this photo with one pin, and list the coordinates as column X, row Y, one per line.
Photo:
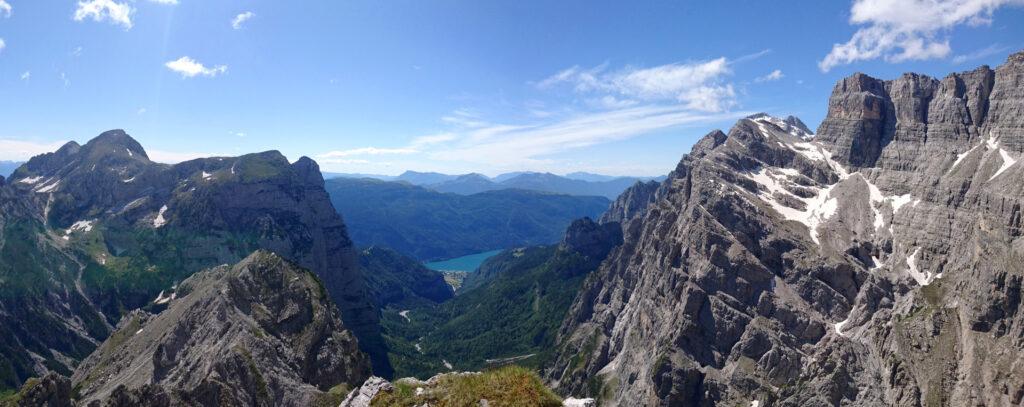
column 876, row 263
column 631, row 203
column 261, row 333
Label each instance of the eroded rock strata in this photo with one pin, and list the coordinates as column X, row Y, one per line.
column 877, row 262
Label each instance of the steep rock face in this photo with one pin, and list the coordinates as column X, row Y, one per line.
column 633, row 201
column 590, row 239
column 261, row 332
column 48, row 321
column 136, row 228
column 874, row 264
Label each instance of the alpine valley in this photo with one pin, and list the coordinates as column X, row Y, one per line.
column 874, row 262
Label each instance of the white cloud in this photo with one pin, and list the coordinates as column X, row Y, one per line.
column 237, row 133
column 773, row 76
column 141, row 111
column 414, row 147
column 77, row 52
column 520, row 145
column 3, row 45
column 901, row 30
column 5, row 8
column 424, row 141
column 697, row 86
column 342, row 161
column 464, row 118
column 100, row 10
column 981, row 53
column 237, row 22
column 366, row 151
column 21, row 150
column 168, row 2
column 26, row 75
column 612, row 102
column 189, row 68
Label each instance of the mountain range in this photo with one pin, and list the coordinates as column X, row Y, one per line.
column 8, row 167
column 92, row 232
column 431, row 225
column 874, row 262
column 576, row 183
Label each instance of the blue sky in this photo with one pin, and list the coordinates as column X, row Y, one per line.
column 458, row 86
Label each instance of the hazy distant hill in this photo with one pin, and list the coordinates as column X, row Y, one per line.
column 602, row 185
column 8, row 167
column 424, row 178
column 576, row 183
column 432, row 225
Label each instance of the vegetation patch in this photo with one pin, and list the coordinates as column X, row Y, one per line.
column 511, row 386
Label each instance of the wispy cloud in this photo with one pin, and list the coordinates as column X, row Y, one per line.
column 21, row 150
column 3, row 44
column 988, row 51
column 423, row 141
column 464, row 118
column 189, row 68
column 103, row 10
column 5, row 8
column 697, row 86
column 523, row 144
column 237, row 22
column 772, row 76
column 902, row 30
column 342, row 161
column 167, row 2
column 26, row 75
column 366, row 151
column 607, row 105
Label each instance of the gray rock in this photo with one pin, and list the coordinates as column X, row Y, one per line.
column 876, row 263
column 261, row 332
column 104, row 209
column 362, row 396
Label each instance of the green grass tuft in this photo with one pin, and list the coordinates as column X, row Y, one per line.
column 510, row 386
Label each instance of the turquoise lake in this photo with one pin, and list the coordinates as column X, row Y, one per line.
column 467, row 263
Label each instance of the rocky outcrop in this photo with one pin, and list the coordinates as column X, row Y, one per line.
column 590, row 239
column 136, row 228
column 52, row 390
column 262, row 333
column 364, row 394
column 632, row 203
column 508, row 386
column 875, row 263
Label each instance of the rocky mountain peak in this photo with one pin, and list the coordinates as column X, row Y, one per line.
column 882, row 247
column 308, row 170
column 790, row 124
column 1016, row 58
column 115, row 143
column 261, row 332
column 119, row 213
